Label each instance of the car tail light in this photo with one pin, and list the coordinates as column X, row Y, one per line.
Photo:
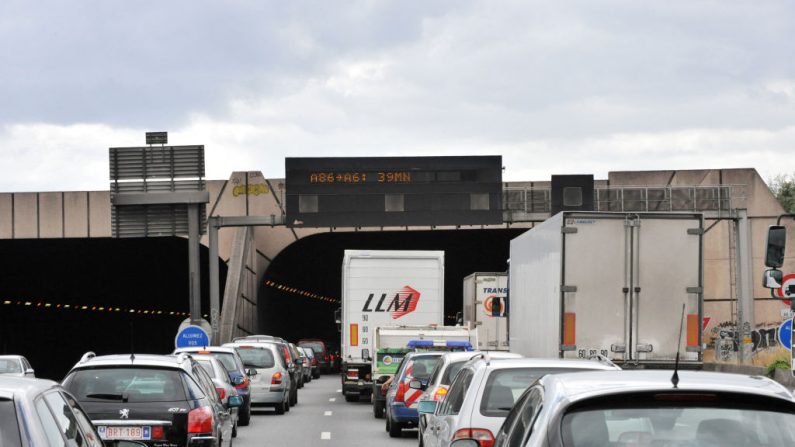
column 400, row 396
column 314, row 361
column 352, row 374
column 221, row 393
column 332, row 357
column 482, row 435
column 287, row 354
column 276, row 379
column 244, row 384
column 200, row 420
column 325, row 356
column 204, row 352
column 440, row 393
column 158, row 432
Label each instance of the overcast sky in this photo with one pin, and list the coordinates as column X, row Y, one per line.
column 554, row 87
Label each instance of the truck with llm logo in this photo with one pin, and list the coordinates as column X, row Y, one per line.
column 384, row 288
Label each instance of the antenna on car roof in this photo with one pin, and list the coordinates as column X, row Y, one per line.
column 675, row 377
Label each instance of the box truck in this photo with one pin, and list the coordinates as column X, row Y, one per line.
column 384, row 288
column 611, row 284
column 485, row 308
column 391, row 343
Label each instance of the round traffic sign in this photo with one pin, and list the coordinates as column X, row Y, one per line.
column 785, row 334
column 191, row 337
column 786, row 281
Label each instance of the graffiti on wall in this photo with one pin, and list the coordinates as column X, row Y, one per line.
column 726, row 338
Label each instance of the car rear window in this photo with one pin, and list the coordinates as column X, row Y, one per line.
column 451, row 371
column 10, row 366
column 681, row 420
column 421, row 367
column 227, row 359
column 9, row 427
column 316, row 346
column 504, row 386
column 208, row 367
column 126, row 385
column 256, row 357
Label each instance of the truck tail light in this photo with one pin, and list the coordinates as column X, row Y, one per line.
column 482, row 435
column 276, row 379
column 221, row 393
column 440, row 393
column 352, row 374
column 200, row 420
column 693, row 325
column 569, row 329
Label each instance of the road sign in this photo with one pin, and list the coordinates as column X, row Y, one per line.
column 785, row 334
column 786, row 282
column 191, row 337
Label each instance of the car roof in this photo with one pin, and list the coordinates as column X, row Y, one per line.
column 146, row 360
column 257, row 344
column 543, row 363
column 12, row 356
column 583, row 385
column 11, row 385
column 196, row 349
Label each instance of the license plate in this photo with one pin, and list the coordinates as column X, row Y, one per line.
column 123, row 432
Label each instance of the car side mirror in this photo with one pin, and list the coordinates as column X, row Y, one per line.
column 251, row 372
column 29, row 372
column 416, row 385
column 238, row 380
column 773, row 279
column 427, row 407
column 776, row 243
column 235, row 401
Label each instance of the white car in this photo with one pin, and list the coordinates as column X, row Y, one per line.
column 15, row 365
column 483, row 393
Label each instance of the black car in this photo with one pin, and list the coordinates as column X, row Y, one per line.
column 152, row 399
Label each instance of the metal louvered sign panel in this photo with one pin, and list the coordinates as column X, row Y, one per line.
column 151, row 188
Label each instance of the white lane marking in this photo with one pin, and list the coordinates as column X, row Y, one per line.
column 339, row 391
column 326, row 413
column 325, row 435
column 333, row 399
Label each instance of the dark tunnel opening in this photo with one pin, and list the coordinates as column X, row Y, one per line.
column 60, row 298
column 314, row 265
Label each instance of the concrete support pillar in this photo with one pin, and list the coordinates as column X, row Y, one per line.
column 745, row 287
column 194, row 263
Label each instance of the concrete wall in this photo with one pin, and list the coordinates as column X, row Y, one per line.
column 48, row 215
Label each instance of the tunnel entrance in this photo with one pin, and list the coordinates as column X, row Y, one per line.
column 60, row 298
column 301, row 288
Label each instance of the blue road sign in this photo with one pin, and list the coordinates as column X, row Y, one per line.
column 785, row 334
column 191, row 337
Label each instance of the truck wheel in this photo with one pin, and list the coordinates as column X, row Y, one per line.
column 351, row 398
column 378, row 409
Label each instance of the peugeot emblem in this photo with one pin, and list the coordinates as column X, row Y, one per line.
column 125, row 413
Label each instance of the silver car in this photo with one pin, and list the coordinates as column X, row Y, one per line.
column 645, row 408
column 483, row 393
column 268, row 375
column 223, row 385
column 15, row 365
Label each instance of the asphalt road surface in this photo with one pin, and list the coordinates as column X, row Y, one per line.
column 321, row 418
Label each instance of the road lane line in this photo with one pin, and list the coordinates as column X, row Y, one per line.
column 327, row 413
column 333, row 399
column 325, row 435
column 339, row 391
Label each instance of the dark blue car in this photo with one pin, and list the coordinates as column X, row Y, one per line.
column 401, row 399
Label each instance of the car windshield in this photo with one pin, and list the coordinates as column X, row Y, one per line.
column 126, row 385
column 504, row 387
column 309, row 352
column 10, row 366
column 678, row 425
column 254, row 357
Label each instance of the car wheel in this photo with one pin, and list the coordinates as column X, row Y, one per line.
column 316, row 374
column 386, row 425
column 294, row 398
column 244, row 417
column 378, row 409
column 234, row 430
column 282, row 408
column 395, row 429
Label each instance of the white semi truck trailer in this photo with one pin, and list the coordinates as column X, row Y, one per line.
column 384, row 288
column 486, row 309
column 610, row 284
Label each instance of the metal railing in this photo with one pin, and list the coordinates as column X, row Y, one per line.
column 722, row 199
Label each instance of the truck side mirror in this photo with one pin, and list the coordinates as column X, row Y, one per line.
column 773, row 279
column 776, row 242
